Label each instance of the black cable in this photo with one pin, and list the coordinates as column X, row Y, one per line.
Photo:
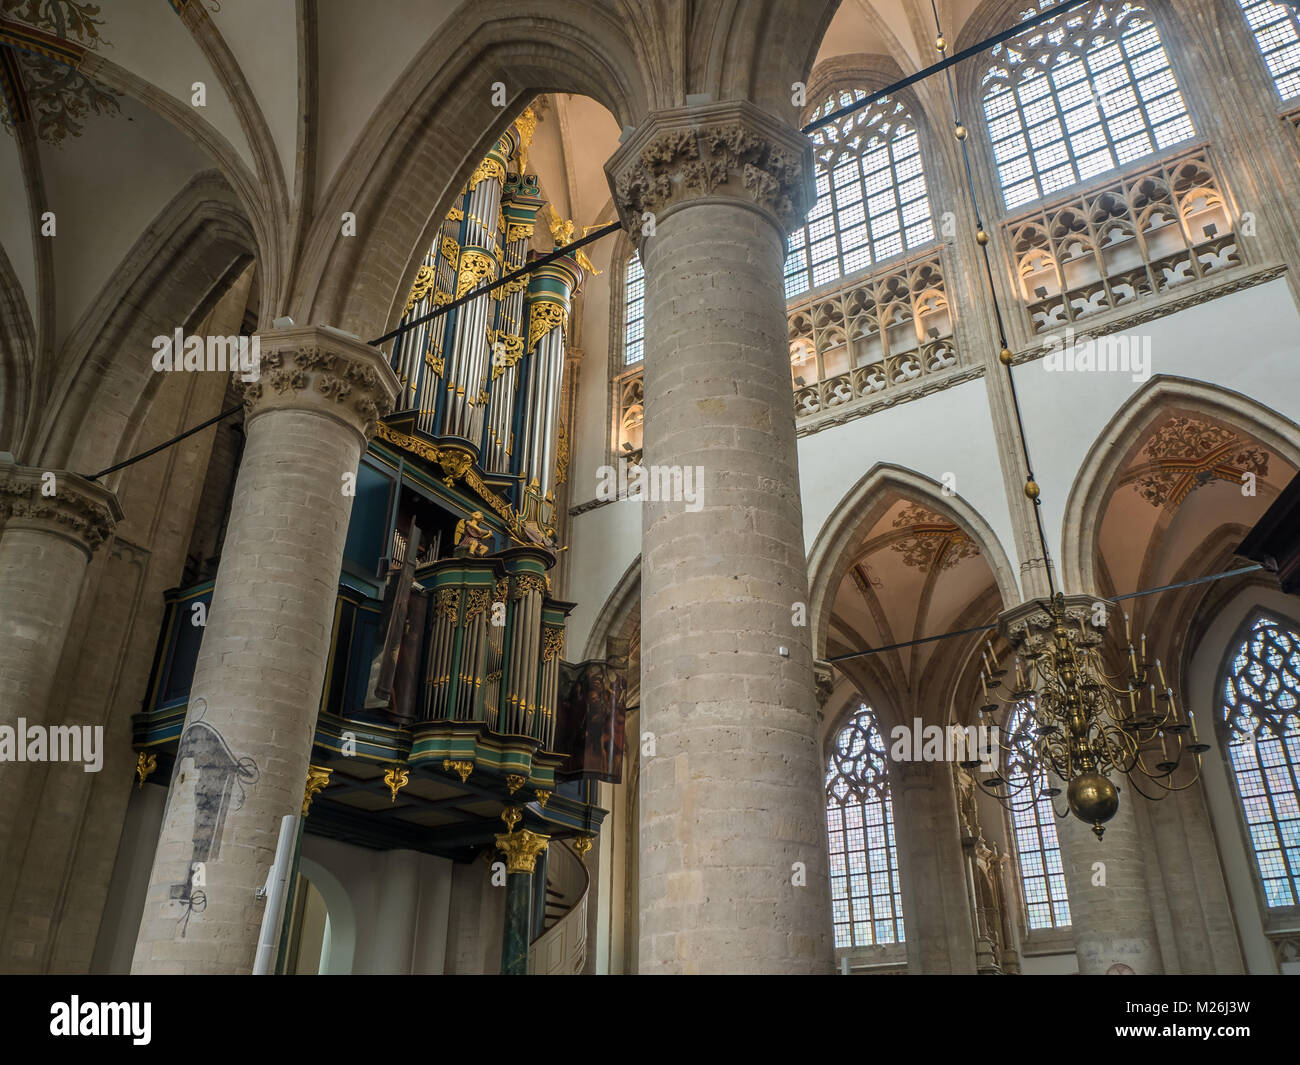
column 165, row 444
column 527, row 268
column 986, row 628
column 935, row 68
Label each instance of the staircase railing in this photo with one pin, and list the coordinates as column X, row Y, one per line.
column 561, row 950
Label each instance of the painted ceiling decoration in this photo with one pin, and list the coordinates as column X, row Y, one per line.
column 44, row 43
column 930, row 541
column 1186, row 453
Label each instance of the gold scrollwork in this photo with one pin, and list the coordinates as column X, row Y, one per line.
column 456, row 214
column 440, row 298
column 562, row 454
column 448, row 603
column 451, row 250
column 317, row 778
column 476, row 601
column 543, row 316
column 514, row 781
column 396, row 778
column 145, row 764
column 489, row 168
column 552, row 642
column 475, row 268
column 424, row 280
column 436, row 363
column 527, row 583
column 519, row 231
column 461, row 768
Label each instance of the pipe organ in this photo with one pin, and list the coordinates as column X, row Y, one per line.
column 485, row 378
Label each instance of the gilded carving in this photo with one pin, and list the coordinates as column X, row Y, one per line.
column 424, row 280
column 475, row 268
column 543, row 316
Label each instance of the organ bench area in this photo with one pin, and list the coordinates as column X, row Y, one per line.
column 449, row 722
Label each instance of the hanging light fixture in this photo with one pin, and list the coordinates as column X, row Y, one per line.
column 1060, row 716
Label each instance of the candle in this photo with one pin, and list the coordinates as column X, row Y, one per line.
column 993, row 654
column 1161, row 671
column 1191, row 717
column 1144, row 647
column 1128, row 636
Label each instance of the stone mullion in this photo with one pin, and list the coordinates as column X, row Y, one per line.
column 975, row 324
column 938, row 931
column 732, row 843
column 248, row 732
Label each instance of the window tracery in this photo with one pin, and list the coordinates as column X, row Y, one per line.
column 866, row 899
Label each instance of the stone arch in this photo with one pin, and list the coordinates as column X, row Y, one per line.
column 861, row 507
column 17, row 357
column 174, row 273
column 342, row 917
column 618, row 607
column 433, row 128
column 1086, row 503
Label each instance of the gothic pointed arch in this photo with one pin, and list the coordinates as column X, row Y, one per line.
column 1161, row 396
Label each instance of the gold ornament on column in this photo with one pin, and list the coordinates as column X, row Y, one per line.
column 520, row 848
column 581, row 845
column 145, row 764
column 317, row 778
column 462, row 768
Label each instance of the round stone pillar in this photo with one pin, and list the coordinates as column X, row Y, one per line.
column 52, row 523
column 243, row 755
column 733, row 855
column 1110, row 910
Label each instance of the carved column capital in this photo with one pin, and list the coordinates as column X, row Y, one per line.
column 715, row 151
column 522, row 849
column 320, row 369
column 54, row 501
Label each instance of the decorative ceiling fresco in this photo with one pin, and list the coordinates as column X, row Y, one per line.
column 44, row 42
column 1186, row 453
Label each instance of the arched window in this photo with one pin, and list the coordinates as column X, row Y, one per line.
column 1277, row 32
column 1262, row 722
column 871, row 195
column 634, row 312
column 1085, row 92
column 1038, row 848
column 866, row 901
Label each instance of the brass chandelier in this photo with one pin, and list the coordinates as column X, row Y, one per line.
column 1061, row 717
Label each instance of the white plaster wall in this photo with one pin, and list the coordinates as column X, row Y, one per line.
column 161, row 50
column 263, row 37
column 361, row 50
column 1248, row 341
column 400, row 901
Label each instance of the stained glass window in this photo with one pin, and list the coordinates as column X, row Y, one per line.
column 866, row 901
column 1263, row 727
column 1083, row 93
column 1277, row 32
column 1037, row 847
column 871, row 196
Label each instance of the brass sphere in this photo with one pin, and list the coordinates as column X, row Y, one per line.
column 1006, row 356
column 940, row 43
column 1093, row 799
column 981, row 238
column 1031, row 489
column 959, row 131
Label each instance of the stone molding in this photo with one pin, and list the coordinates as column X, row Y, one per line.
column 1028, row 626
column 725, row 151
column 325, row 371
column 80, row 510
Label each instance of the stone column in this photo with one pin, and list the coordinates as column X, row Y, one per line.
column 52, row 523
column 1110, row 909
column 733, row 834
column 243, row 757
column 931, row 865
column 522, row 850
